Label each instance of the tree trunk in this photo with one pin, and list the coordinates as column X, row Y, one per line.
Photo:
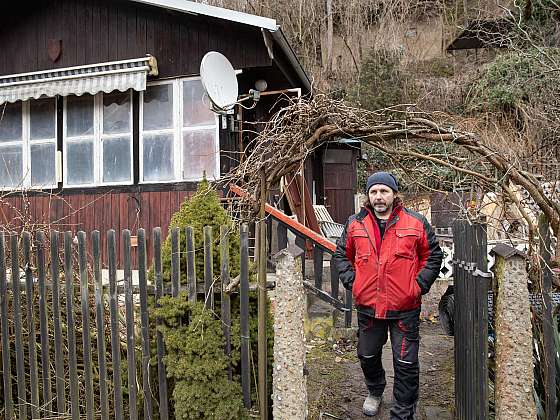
column 329, row 37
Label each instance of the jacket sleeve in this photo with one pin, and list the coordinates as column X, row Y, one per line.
column 431, row 256
column 343, row 259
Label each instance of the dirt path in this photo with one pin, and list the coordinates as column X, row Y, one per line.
column 336, row 389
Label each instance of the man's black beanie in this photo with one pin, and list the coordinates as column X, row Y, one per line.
column 384, row 178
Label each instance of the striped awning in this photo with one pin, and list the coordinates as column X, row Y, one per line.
column 92, row 78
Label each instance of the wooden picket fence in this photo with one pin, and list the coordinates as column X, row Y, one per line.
column 48, row 373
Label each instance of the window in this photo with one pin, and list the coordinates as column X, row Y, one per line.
column 28, row 144
column 179, row 134
column 98, row 139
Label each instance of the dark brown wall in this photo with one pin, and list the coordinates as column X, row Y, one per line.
column 94, row 31
column 90, row 211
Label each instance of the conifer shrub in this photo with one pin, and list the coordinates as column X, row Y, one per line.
column 196, row 361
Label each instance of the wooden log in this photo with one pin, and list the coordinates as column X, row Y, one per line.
column 43, row 325
column 6, row 365
column 71, row 327
column 145, row 325
column 18, row 329
column 115, row 334
column 100, row 323
column 244, row 316
column 29, row 297
column 162, row 377
column 86, row 336
column 130, row 340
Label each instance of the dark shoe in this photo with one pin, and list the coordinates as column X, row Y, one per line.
column 371, row 405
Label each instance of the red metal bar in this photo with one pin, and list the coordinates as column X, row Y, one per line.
column 293, row 224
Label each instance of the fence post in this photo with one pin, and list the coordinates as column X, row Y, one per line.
column 548, row 330
column 289, row 384
column 225, row 304
column 244, row 314
column 514, row 341
column 6, row 365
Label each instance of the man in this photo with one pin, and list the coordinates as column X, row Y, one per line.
column 388, row 256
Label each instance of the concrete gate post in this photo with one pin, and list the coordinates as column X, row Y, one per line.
column 289, row 394
column 514, row 342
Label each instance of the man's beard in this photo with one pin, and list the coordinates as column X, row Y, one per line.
column 380, row 208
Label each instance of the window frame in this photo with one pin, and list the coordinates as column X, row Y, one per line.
column 26, row 143
column 97, row 137
column 177, row 130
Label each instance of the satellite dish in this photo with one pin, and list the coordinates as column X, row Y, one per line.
column 219, row 81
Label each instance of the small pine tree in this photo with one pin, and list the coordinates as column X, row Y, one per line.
column 202, row 209
column 196, row 361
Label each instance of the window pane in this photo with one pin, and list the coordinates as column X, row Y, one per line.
column 42, row 118
column 11, row 166
column 79, row 115
column 158, row 157
column 116, row 160
column 158, row 107
column 79, row 163
column 10, row 121
column 116, row 112
column 43, row 164
column 199, row 154
column 195, row 111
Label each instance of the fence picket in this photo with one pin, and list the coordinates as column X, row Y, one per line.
column 18, row 330
column 208, row 269
column 145, row 324
column 318, row 266
column 244, row 315
column 130, row 341
column 162, row 378
column 175, row 262
column 225, row 303
column 57, row 325
column 29, row 297
column 334, row 280
column 86, row 340
column 43, row 325
column 191, row 265
column 115, row 336
column 100, row 322
column 71, row 326
column 6, row 365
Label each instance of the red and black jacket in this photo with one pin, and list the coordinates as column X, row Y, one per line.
column 389, row 275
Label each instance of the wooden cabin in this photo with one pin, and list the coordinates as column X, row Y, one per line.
column 103, row 119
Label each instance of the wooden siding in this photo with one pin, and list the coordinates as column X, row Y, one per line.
column 94, row 31
column 90, row 211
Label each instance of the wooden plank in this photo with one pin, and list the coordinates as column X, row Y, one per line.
column 6, row 365
column 43, row 324
column 162, row 378
column 548, row 328
column 288, row 221
column 225, row 301
column 191, row 263
column 29, row 297
column 100, row 323
column 334, row 281
column 145, row 324
column 86, row 336
column 208, row 269
column 318, row 266
column 115, row 334
column 244, row 315
column 18, row 329
column 175, row 262
column 130, row 340
column 71, row 326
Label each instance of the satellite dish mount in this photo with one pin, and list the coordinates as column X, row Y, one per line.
column 220, row 84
